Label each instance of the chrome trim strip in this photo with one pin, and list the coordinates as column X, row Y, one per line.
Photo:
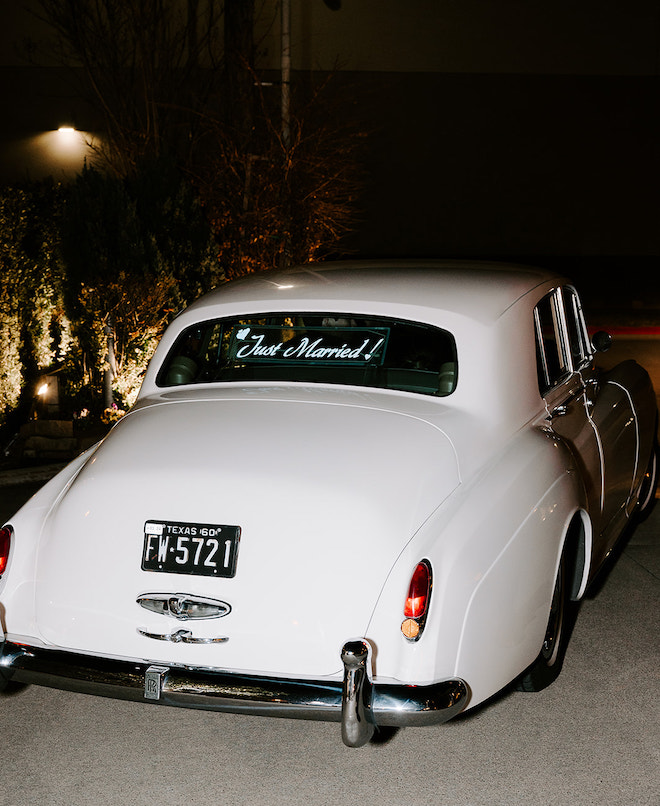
column 392, row 704
column 183, row 637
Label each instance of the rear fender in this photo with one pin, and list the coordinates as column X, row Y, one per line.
column 17, row 583
column 494, row 548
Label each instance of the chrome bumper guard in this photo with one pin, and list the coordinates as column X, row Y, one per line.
column 356, row 702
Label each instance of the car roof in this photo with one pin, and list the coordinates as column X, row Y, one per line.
column 478, row 290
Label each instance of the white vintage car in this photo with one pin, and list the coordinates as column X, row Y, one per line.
column 364, row 493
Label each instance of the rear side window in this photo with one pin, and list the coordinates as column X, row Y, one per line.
column 336, row 348
column 552, row 362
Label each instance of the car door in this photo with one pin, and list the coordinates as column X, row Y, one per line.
column 563, row 389
column 611, row 413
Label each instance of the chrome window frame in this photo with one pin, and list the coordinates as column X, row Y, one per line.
column 565, row 365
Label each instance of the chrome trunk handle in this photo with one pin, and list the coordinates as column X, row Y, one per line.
column 183, row 637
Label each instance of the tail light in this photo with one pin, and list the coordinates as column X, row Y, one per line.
column 417, row 601
column 5, row 542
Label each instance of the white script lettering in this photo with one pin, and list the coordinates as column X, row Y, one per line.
column 312, row 349
column 258, row 349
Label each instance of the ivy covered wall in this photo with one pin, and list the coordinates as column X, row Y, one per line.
column 35, row 331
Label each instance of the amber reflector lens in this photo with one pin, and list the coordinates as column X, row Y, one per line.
column 410, row 628
column 5, row 540
column 418, row 593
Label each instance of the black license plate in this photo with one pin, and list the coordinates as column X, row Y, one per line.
column 202, row 549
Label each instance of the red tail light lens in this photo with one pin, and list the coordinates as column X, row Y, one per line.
column 419, row 592
column 5, row 543
column 417, row 602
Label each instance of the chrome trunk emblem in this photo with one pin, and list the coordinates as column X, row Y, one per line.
column 183, row 606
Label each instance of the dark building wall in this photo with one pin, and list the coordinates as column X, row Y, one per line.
column 506, row 165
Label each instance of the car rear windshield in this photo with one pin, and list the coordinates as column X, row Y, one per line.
column 335, row 348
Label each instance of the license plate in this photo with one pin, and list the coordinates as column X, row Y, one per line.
column 202, row 549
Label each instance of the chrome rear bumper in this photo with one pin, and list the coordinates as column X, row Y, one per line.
column 355, row 702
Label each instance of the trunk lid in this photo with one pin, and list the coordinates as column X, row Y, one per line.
column 326, row 496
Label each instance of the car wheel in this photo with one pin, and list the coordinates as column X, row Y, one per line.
column 649, row 484
column 547, row 665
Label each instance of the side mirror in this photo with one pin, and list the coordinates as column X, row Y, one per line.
column 601, row 341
